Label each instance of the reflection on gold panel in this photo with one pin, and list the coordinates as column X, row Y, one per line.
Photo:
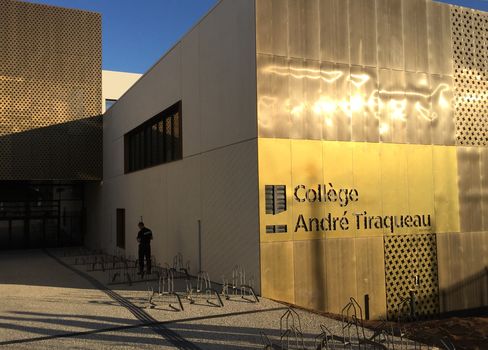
column 358, row 70
column 307, row 99
column 443, row 129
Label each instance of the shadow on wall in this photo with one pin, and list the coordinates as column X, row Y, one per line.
column 470, row 293
column 71, row 150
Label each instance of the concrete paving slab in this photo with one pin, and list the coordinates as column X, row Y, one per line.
column 49, row 303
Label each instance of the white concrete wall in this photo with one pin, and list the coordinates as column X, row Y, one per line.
column 115, row 84
column 212, row 70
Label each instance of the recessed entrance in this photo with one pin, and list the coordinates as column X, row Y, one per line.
column 37, row 215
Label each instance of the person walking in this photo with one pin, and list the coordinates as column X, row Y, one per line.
column 144, row 238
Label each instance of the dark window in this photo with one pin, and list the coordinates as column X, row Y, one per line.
column 157, row 141
column 109, row 103
column 121, row 228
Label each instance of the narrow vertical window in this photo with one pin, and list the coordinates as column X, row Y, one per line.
column 120, row 227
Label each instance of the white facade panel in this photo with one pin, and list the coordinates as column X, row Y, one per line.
column 115, row 84
column 190, row 75
column 230, row 211
column 227, row 74
column 212, row 71
column 219, row 188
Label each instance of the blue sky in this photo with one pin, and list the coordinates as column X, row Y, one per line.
column 136, row 33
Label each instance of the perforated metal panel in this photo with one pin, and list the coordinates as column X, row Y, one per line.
column 470, row 47
column 411, row 264
column 50, row 92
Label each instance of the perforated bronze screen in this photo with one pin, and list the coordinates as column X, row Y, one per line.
column 50, row 92
column 411, row 264
column 470, row 47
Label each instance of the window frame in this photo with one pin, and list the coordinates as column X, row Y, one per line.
column 111, row 101
column 142, row 157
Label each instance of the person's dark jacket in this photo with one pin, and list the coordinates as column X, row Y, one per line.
column 144, row 237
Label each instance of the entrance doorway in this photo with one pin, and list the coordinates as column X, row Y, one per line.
column 40, row 215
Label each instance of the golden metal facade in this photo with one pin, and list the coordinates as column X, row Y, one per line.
column 334, row 249
column 470, row 44
column 463, row 272
column 50, row 92
column 351, row 71
column 378, row 96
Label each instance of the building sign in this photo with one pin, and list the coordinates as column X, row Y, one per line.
column 328, row 195
column 312, row 189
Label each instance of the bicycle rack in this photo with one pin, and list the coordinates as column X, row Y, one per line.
column 448, row 345
column 239, row 286
column 291, row 330
column 203, row 290
column 120, row 275
column 180, row 270
column 165, row 290
column 268, row 345
column 326, row 340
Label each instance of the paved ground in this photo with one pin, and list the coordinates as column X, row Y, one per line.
column 46, row 303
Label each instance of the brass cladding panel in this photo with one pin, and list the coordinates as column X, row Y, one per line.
column 355, row 71
column 484, row 186
column 380, row 71
column 277, row 271
column 469, row 173
column 50, row 92
column 470, row 49
column 310, row 267
column 323, row 274
column 463, row 272
column 391, row 179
